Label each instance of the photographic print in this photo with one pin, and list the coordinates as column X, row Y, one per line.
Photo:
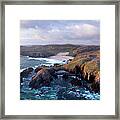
column 59, row 60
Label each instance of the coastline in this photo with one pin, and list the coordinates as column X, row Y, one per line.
column 62, row 56
column 61, row 76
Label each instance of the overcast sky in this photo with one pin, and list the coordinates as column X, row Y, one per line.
column 42, row 32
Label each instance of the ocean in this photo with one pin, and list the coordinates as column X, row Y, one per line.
column 26, row 61
column 59, row 89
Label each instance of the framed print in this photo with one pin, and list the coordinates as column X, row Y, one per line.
column 60, row 60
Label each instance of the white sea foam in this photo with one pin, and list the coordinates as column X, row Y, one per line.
column 43, row 61
column 48, row 61
column 22, row 69
column 26, row 68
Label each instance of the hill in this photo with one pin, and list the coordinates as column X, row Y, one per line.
column 51, row 50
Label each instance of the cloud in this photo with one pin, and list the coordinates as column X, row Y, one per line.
column 72, row 32
column 84, row 31
column 32, row 33
column 53, row 30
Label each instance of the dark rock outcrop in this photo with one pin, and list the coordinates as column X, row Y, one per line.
column 26, row 72
column 51, row 71
column 65, row 76
column 95, row 87
column 21, row 79
column 42, row 78
column 76, row 82
column 38, row 69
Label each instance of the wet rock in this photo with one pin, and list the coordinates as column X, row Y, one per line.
column 21, row 79
column 65, row 76
column 76, row 82
column 96, row 87
column 51, row 71
column 38, row 69
column 42, row 78
column 26, row 72
column 77, row 71
column 91, row 78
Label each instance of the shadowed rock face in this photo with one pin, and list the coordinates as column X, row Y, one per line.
column 51, row 71
column 42, row 78
column 25, row 73
column 96, row 87
column 76, row 82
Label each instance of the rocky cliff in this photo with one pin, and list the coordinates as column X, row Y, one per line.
column 89, row 64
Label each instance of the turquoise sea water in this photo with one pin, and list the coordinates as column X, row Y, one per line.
column 58, row 90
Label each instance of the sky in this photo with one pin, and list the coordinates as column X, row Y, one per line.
column 43, row 32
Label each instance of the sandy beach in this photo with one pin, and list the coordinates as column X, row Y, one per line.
column 62, row 56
